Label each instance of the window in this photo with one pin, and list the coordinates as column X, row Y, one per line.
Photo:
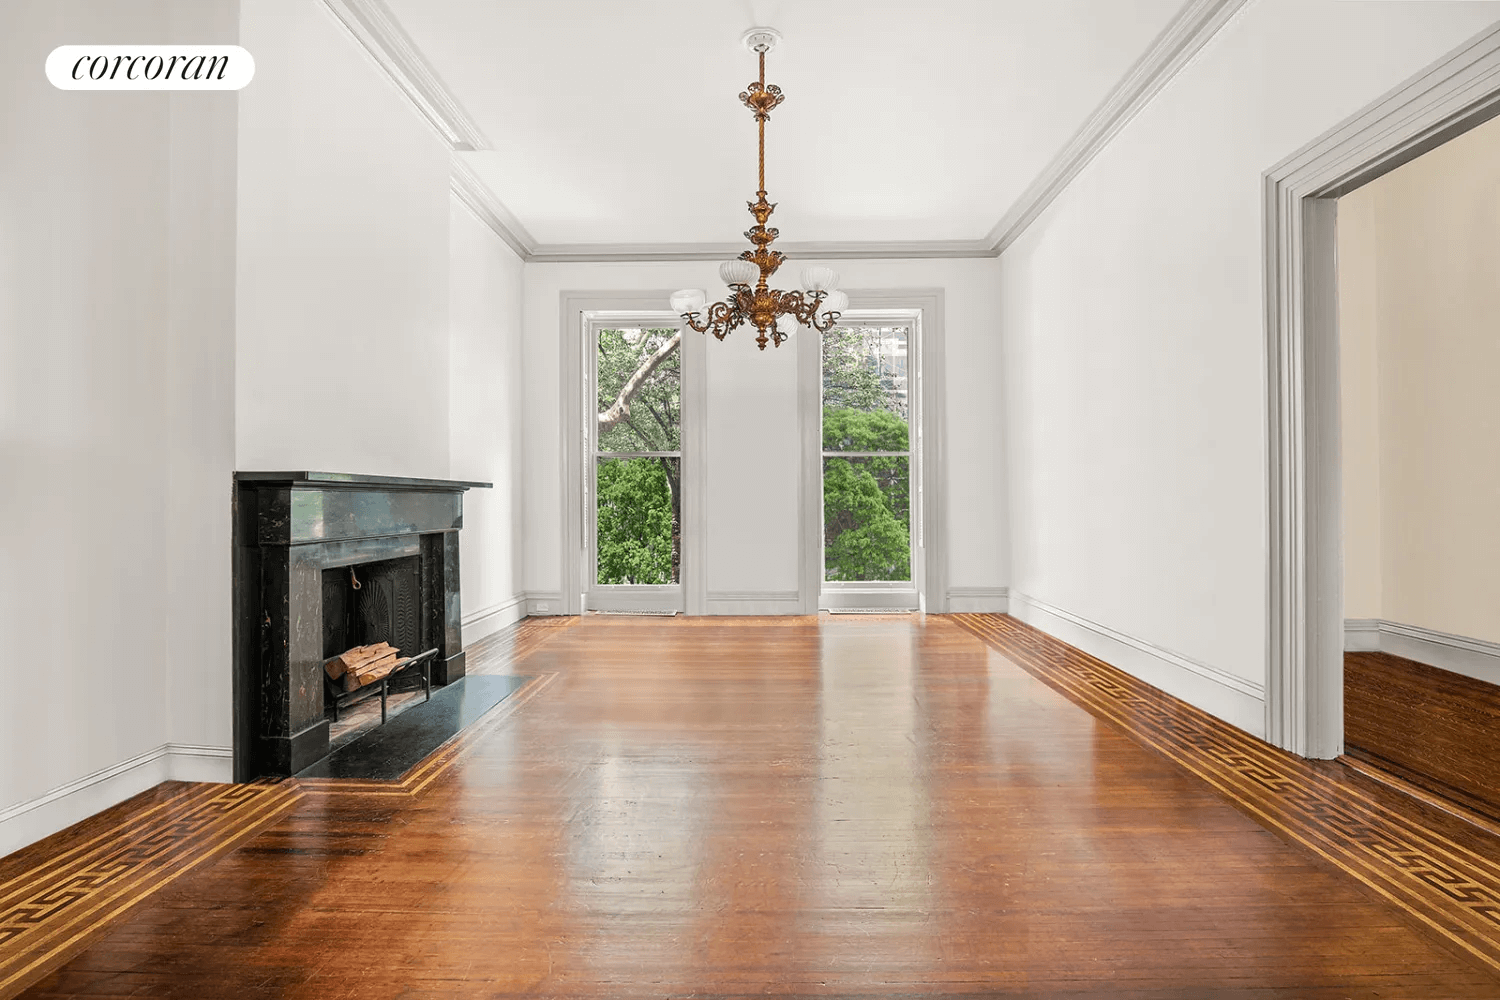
column 636, row 476
column 869, row 455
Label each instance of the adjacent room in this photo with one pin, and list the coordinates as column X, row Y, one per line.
column 1419, row 363
column 731, row 498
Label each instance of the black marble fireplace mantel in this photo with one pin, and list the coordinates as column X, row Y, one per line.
column 289, row 529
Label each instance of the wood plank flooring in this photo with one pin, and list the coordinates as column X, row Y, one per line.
column 851, row 806
column 1432, row 727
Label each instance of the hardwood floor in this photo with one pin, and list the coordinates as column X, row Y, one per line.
column 1435, row 728
column 850, row 806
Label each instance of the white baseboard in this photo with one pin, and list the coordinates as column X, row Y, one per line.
column 540, row 602
column 1361, row 635
column 1476, row 658
column 976, row 600
column 864, row 598
column 27, row 822
column 188, row 762
column 1238, row 701
column 753, row 602
column 59, row 808
column 492, row 619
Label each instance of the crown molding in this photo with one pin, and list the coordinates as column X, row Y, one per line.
column 1192, row 29
column 378, row 32
column 479, row 199
column 567, row 253
column 1172, row 50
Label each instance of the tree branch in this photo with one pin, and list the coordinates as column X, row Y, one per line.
column 621, row 408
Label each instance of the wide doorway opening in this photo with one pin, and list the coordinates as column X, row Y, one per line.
column 1418, row 257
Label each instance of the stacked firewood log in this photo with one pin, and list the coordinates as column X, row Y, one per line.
column 362, row 665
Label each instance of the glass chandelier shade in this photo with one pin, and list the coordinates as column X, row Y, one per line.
column 775, row 314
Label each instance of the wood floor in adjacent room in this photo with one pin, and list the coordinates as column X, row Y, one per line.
column 835, row 806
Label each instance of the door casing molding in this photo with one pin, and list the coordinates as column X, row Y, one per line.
column 1305, row 618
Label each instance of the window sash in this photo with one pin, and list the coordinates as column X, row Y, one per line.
column 914, row 434
column 629, row 593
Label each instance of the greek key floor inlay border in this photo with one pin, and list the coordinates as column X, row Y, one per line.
column 1448, row 887
column 51, row 911
column 54, row 909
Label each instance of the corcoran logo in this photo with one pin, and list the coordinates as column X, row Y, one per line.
column 150, row 67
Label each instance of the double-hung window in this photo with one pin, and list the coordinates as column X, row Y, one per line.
column 635, row 469
column 871, row 466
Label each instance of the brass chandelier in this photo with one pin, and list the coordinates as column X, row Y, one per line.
column 774, row 314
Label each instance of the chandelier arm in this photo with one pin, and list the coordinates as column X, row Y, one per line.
column 722, row 315
column 830, row 319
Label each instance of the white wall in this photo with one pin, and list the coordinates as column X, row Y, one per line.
column 485, row 415
column 754, row 455
column 196, row 283
column 754, row 448
column 342, row 358
column 198, row 381
column 1134, row 364
column 116, row 418
column 1419, row 270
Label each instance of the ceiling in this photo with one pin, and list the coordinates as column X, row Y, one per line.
column 620, row 123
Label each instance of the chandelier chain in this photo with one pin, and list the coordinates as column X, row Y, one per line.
column 761, row 121
column 760, row 305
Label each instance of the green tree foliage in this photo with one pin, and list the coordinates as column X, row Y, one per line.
column 639, row 500
column 866, row 519
column 863, row 430
column 654, row 411
column 636, row 522
column 850, row 381
column 866, row 501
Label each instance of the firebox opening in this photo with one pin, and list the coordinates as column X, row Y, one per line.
column 366, row 604
column 385, row 608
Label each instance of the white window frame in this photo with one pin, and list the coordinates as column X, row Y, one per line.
column 584, row 314
column 921, row 311
column 623, row 596
column 898, row 595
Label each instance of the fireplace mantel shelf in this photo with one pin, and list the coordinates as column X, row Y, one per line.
column 347, row 480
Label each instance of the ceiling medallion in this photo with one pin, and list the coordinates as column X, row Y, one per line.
column 775, row 314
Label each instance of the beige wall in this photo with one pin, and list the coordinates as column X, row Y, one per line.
column 1419, row 277
column 1360, row 399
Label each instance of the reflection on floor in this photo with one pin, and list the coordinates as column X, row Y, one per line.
column 387, row 752
column 821, row 806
